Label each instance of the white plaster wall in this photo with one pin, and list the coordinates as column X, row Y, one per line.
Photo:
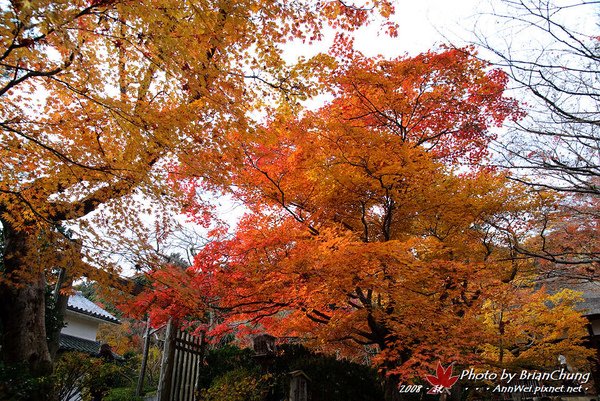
column 79, row 326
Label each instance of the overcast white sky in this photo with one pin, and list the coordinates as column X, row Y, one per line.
column 423, row 25
column 426, row 24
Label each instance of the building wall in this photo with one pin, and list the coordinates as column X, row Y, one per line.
column 596, row 327
column 80, row 326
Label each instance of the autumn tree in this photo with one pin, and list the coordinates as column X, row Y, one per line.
column 525, row 331
column 98, row 98
column 556, row 146
column 371, row 227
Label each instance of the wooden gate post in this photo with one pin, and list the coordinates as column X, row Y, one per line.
column 166, row 367
column 140, row 385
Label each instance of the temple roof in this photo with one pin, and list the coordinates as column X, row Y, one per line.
column 78, row 303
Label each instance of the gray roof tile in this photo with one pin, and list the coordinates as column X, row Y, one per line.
column 78, row 303
column 71, row 343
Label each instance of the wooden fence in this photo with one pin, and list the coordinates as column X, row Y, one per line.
column 181, row 364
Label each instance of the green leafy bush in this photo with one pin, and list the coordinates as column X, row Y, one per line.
column 238, row 385
column 76, row 372
column 222, row 360
column 17, row 384
column 231, row 370
column 70, row 374
column 122, row 394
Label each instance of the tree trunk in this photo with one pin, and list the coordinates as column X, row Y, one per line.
column 390, row 388
column 22, row 312
column 22, row 305
column 60, row 306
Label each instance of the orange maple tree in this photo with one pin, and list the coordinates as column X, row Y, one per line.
column 567, row 241
column 98, row 97
column 371, row 229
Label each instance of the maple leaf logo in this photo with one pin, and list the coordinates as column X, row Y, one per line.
column 442, row 381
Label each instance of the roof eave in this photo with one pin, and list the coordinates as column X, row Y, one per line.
column 100, row 318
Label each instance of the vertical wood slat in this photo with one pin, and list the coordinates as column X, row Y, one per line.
column 177, row 377
column 176, row 370
column 197, row 362
column 188, row 367
column 193, row 372
column 193, row 362
column 181, row 377
column 184, row 374
column 197, row 366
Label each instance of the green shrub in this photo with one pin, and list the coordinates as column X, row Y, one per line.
column 222, row 360
column 238, row 385
column 230, row 369
column 17, row 384
column 76, row 372
column 70, row 374
column 122, row 394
